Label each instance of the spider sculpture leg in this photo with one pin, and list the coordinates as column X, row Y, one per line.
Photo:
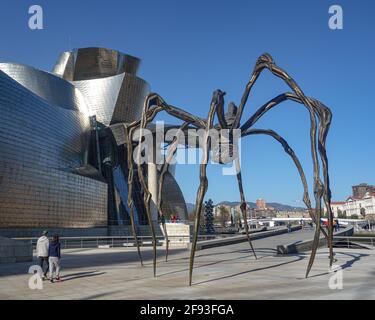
column 130, row 191
column 324, row 115
column 129, row 129
column 146, row 200
column 291, row 153
column 164, row 169
column 266, row 61
column 303, row 178
column 243, row 205
column 203, row 185
column 154, row 112
column 153, row 104
column 146, row 193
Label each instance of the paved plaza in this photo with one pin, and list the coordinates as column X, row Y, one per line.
column 228, row 272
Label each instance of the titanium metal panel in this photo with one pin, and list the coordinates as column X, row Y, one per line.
column 173, row 199
column 114, row 99
column 40, row 144
column 107, row 78
column 64, row 67
column 121, row 184
column 94, row 63
column 101, row 96
column 53, row 89
column 44, row 135
column 130, row 100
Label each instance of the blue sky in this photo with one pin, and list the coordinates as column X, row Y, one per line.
column 190, row 48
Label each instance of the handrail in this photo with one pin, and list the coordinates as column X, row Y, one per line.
column 354, row 237
column 348, row 239
column 114, row 241
column 116, row 237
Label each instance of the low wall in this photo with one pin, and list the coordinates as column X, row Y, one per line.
column 307, row 244
column 12, row 251
column 178, row 233
column 254, row 235
column 62, row 232
column 142, row 230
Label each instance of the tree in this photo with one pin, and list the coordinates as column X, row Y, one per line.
column 224, row 215
column 209, row 217
column 238, row 218
column 354, row 216
column 341, row 214
column 191, row 216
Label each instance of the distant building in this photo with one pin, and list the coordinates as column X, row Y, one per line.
column 361, row 203
column 363, row 207
column 237, row 208
column 360, row 190
column 261, row 204
column 292, row 214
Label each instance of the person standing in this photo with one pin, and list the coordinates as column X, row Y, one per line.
column 54, row 258
column 42, row 247
column 334, row 226
column 289, row 226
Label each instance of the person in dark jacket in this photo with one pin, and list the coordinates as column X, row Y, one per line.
column 54, row 254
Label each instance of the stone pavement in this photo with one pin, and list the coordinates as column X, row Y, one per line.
column 229, row 272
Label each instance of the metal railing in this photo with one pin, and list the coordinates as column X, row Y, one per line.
column 350, row 241
column 117, row 241
column 144, row 222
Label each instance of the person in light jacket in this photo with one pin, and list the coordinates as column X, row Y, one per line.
column 54, row 258
column 42, row 248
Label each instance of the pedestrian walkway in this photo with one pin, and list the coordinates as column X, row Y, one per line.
column 229, row 272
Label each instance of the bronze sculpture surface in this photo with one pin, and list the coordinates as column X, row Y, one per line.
column 320, row 120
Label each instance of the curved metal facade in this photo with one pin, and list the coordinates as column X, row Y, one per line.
column 101, row 95
column 51, row 173
column 42, row 139
column 108, row 80
column 173, row 199
column 54, row 90
column 94, row 63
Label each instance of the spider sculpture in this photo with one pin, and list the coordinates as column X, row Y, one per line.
column 320, row 119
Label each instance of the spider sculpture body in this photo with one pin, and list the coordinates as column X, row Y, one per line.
column 320, row 119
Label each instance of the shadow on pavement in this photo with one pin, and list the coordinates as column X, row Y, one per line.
column 78, row 275
column 111, row 258
column 250, row 271
column 84, row 259
column 249, row 255
column 100, row 295
column 347, row 264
